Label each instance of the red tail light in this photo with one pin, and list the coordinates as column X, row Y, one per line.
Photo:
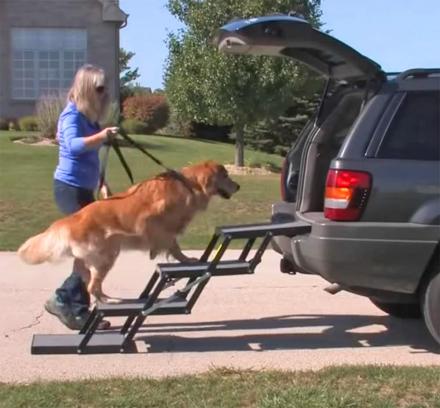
column 283, row 180
column 346, row 193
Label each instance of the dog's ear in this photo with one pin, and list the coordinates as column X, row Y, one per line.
column 204, row 174
column 211, row 165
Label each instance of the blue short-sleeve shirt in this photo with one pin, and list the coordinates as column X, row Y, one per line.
column 78, row 165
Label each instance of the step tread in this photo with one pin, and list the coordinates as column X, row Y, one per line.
column 201, row 266
column 136, row 305
column 69, row 343
column 258, row 230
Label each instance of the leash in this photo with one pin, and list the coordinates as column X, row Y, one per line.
column 112, row 142
column 125, row 136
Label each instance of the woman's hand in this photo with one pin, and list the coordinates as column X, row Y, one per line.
column 109, row 133
column 99, row 138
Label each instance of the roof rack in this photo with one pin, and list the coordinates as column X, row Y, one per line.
column 418, row 73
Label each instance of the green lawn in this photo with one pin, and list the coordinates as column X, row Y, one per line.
column 348, row 387
column 27, row 206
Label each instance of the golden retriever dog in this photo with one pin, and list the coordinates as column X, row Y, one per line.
column 148, row 216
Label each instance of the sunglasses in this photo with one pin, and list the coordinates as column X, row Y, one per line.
column 100, row 89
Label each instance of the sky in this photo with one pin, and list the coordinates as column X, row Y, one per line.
column 397, row 34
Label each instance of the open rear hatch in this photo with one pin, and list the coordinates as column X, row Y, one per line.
column 281, row 35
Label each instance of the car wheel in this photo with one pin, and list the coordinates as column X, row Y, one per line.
column 400, row 310
column 431, row 303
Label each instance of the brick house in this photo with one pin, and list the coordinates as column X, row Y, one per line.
column 43, row 42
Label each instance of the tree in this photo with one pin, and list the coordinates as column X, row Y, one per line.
column 277, row 135
column 127, row 75
column 208, row 87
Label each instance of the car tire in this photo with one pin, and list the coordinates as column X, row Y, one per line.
column 431, row 302
column 400, row 310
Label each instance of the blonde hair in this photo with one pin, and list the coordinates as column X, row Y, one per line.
column 83, row 92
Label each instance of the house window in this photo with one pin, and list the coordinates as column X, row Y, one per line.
column 44, row 60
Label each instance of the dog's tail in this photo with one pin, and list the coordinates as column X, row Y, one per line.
column 49, row 246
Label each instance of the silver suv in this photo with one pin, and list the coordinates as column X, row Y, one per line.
column 364, row 173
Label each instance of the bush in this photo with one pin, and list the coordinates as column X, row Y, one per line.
column 177, row 126
column 152, row 110
column 211, row 132
column 134, row 126
column 13, row 124
column 28, row 123
column 49, row 109
column 4, row 125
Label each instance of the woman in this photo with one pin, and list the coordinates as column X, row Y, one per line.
column 77, row 176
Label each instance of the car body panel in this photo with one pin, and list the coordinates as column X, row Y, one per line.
column 390, row 257
column 399, row 187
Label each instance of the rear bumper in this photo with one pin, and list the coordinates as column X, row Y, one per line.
column 382, row 256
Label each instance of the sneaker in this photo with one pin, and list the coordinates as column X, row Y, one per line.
column 65, row 315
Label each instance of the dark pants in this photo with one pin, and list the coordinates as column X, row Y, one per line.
column 73, row 292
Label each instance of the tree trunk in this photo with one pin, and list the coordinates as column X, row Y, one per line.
column 239, row 146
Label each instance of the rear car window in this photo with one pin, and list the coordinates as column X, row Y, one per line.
column 414, row 133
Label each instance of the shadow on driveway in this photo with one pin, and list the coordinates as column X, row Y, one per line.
column 328, row 331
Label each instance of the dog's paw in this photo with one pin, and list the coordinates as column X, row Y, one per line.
column 171, row 282
column 190, row 260
column 108, row 300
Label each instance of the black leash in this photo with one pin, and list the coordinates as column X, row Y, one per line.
column 114, row 143
column 109, row 144
column 121, row 158
column 142, row 149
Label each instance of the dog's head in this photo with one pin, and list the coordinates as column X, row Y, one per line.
column 213, row 178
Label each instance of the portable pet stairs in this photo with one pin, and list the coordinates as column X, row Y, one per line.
column 89, row 340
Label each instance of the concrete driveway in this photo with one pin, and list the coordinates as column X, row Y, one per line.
column 264, row 321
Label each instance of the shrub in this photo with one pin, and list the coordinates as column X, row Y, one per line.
column 178, row 127
column 4, row 125
column 28, row 123
column 134, row 126
column 153, row 110
column 49, row 109
column 212, row 132
column 13, row 124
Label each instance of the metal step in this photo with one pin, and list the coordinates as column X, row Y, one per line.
column 188, row 270
column 132, row 308
column 149, row 303
column 70, row 343
column 288, row 229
